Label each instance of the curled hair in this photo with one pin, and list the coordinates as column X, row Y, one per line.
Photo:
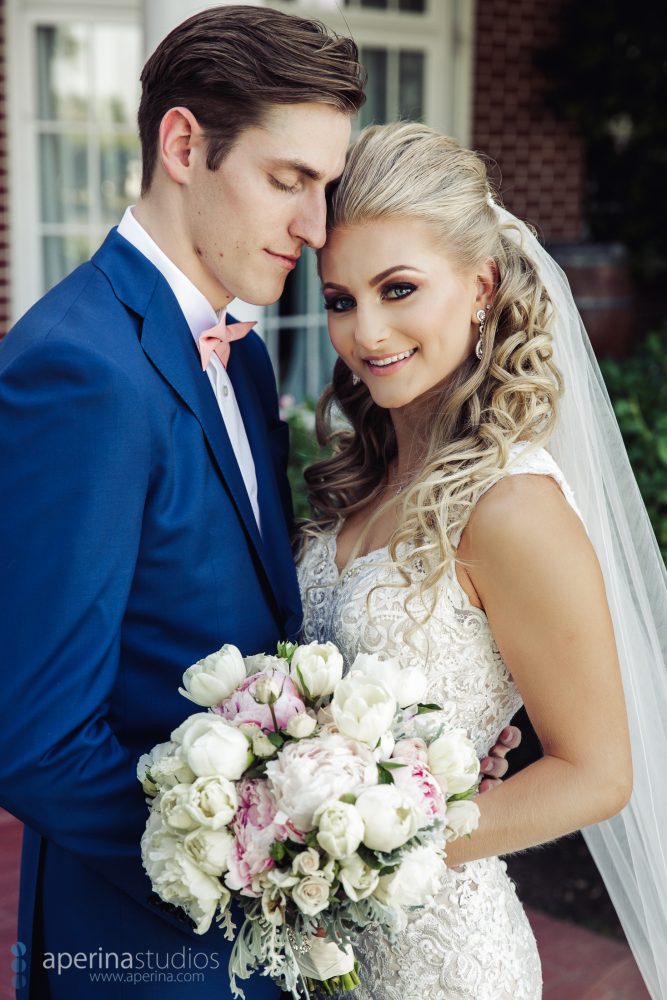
column 229, row 64
column 409, row 171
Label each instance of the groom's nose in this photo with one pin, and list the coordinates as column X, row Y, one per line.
column 310, row 223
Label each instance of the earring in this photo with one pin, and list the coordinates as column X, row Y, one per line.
column 355, row 379
column 479, row 347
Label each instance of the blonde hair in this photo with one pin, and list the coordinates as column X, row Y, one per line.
column 409, row 171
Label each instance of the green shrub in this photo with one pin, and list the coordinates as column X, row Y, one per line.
column 304, row 450
column 638, row 389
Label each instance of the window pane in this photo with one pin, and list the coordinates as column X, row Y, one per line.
column 120, row 175
column 375, row 108
column 413, row 6
column 63, row 166
column 411, row 85
column 62, row 84
column 116, row 62
column 60, row 255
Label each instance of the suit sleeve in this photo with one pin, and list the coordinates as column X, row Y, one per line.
column 74, row 468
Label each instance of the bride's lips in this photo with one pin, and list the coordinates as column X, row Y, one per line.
column 389, row 367
column 287, row 260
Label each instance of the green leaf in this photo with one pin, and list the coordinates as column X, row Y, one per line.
column 385, row 777
column 423, row 709
column 277, row 851
column 277, row 739
column 304, row 686
column 391, row 765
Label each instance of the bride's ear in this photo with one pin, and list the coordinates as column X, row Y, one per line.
column 487, row 283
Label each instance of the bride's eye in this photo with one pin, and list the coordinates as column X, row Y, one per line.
column 398, row 290
column 339, row 303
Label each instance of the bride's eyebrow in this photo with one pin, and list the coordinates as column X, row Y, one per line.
column 390, row 270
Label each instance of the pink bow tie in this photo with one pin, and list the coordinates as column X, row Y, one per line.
column 219, row 337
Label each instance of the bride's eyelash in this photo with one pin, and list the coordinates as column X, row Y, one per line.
column 334, row 300
column 405, row 288
column 290, row 189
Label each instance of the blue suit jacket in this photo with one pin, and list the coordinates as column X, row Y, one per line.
column 128, row 550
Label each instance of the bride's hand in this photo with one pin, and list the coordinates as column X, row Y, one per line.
column 494, row 766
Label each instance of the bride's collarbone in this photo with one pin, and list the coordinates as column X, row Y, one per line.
column 356, row 530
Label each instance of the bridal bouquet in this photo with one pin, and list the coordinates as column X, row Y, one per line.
column 319, row 803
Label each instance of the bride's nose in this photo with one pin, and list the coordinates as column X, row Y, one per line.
column 370, row 332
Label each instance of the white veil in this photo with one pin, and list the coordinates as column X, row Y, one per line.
column 630, row 849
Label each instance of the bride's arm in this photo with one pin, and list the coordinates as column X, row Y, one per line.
column 538, row 579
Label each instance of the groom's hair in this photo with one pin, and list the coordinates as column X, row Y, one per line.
column 229, row 64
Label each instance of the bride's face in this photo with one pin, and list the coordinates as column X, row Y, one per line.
column 399, row 314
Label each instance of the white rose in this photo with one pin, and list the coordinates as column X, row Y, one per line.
column 211, row 680
column 301, row 726
column 362, row 709
column 419, row 876
column 174, row 808
column 462, row 818
column 452, row 759
column 177, row 879
column 280, row 879
column 341, row 829
column 163, row 768
column 316, row 669
column 212, row 801
column 407, row 684
column 210, row 849
column 262, row 745
column 389, row 817
column 267, row 689
column 262, row 661
column 311, row 894
column 310, row 773
column 211, row 745
column 358, row 879
column 306, row 862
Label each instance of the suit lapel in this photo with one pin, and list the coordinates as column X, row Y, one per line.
column 168, row 343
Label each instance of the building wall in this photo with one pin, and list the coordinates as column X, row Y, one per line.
column 4, row 186
column 540, row 159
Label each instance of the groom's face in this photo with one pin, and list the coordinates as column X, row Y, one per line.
column 250, row 219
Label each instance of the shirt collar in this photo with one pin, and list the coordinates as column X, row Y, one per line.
column 198, row 312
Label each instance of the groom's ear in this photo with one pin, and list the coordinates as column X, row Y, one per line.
column 181, row 142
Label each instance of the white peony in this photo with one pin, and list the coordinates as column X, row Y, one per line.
column 362, row 709
column 309, row 773
column 462, row 819
column 316, row 668
column 407, row 684
column 452, row 759
column 177, row 879
column 301, row 726
column 212, row 801
column 389, row 817
column 212, row 745
column 419, row 876
column 358, row 879
column 210, row 849
column 263, row 661
column 340, row 829
column 311, row 894
column 211, row 680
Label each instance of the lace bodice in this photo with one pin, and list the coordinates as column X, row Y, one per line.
column 474, row 941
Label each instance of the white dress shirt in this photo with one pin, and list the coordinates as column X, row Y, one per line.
column 200, row 315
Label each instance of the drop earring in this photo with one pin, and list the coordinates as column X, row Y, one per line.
column 355, row 379
column 479, row 347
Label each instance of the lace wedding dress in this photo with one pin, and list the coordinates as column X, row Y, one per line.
column 473, row 941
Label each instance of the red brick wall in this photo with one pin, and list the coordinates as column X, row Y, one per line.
column 4, row 187
column 540, row 159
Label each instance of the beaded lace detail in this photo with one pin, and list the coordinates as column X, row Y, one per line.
column 473, row 941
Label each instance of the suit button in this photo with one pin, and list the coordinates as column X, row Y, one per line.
column 225, row 391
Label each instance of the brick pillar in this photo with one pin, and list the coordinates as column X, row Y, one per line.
column 540, row 159
column 4, row 187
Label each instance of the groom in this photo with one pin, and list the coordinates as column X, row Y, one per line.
column 145, row 500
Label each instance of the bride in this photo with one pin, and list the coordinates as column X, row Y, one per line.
column 446, row 534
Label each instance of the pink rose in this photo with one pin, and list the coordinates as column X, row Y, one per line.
column 418, row 784
column 244, row 706
column 254, row 830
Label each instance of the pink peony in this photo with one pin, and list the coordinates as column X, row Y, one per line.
column 418, row 784
column 254, row 830
column 243, row 707
column 412, row 749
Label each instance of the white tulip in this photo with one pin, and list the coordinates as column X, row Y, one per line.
column 358, row 879
column 419, row 877
column 452, row 759
column 362, row 709
column 174, row 805
column 262, row 661
column 163, row 768
column 407, row 684
column 210, row 849
column 316, row 669
column 462, row 819
column 340, row 829
column 212, row 801
column 212, row 746
column 389, row 817
column 209, row 681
